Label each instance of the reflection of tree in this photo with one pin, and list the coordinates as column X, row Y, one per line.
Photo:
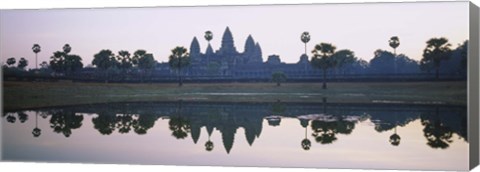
column 306, row 143
column 22, row 117
column 437, row 134
column 143, row 123
column 209, row 144
column 179, row 126
column 64, row 122
column 395, row 138
column 124, row 123
column 36, row 131
column 104, row 123
column 278, row 108
column 11, row 118
column 325, row 131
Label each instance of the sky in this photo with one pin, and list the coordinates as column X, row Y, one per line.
column 276, row 28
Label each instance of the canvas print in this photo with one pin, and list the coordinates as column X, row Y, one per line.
column 371, row 86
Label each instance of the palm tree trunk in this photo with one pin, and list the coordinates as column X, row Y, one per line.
column 36, row 62
column 436, row 72
column 179, row 78
column 305, row 48
column 324, row 86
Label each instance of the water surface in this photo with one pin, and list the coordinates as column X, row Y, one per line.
column 326, row 135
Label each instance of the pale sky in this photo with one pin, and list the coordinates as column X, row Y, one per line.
column 362, row 28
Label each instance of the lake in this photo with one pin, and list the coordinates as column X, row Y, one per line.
column 275, row 134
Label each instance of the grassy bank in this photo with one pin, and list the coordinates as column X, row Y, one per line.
column 20, row 95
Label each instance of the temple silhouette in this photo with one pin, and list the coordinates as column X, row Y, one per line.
column 227, row 61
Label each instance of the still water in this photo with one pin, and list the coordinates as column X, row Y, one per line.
column 327, row 135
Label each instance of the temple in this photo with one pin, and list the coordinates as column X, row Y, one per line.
column 228, row 62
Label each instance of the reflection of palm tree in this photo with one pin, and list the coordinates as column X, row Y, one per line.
column 143, row 123
column 437, row 134
column 104, row 123
column 36, row 131
column 124, row 123
column 64, row 122
column 395, row 138
column 306, row 143
column 324, row 132
column 11, row 118
column 179, row 126
column 22, row 117
column 209, row 144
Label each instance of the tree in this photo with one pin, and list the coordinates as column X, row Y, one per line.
column 36, row 49
column 124, row 60
column 178, row 60
column 437, row 49
column 146, row 63
column 104, row 60
column 305, row 37
column 22, row 63
column 394, row 42
column 67, row 48
column 279, row 77
column 383, row 63
column 322, row 59
column 208, row 36
column 11, row 61
column 63, row 62
column 44, row 65
column 341, row 58
column 137, row 55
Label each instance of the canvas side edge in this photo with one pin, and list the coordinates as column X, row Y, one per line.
column 473, row 86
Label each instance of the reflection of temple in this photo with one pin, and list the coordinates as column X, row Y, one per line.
column 228, row 62
column 187, row 118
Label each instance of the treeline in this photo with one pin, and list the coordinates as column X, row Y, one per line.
column 438, row 58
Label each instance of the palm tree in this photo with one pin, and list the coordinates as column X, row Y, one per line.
column 322, row 59
column 437, row 49
column 22, row 63
column 341, row 58
column 104, row 60
column 279, row 77
column 394, row 42
column 208, row 36
column 36, row 49
column 67, row 48
column 179, row 59
column 305, row 37
column 11, row 61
